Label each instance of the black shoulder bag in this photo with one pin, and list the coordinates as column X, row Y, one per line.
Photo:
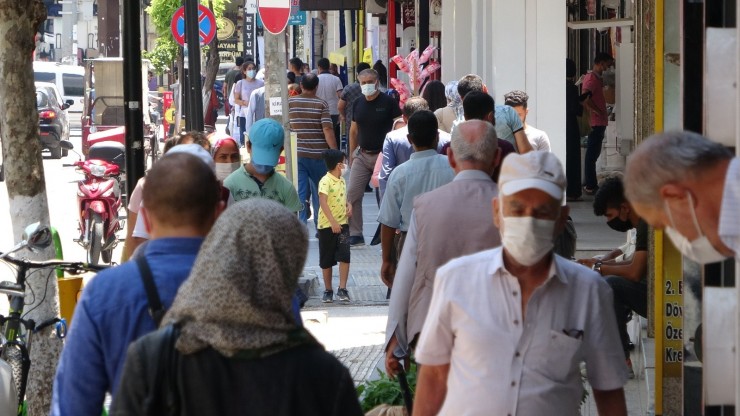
column 156, row 309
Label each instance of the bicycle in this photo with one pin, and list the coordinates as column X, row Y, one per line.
column 17, row 332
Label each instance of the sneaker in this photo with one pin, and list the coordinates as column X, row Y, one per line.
column 356, row 240
column 328, row 296
column 630, row 371
column 343, row 295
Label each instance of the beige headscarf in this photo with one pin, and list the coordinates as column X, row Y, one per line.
column 237, row 299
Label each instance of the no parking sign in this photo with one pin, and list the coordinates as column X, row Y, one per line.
column 206, row 25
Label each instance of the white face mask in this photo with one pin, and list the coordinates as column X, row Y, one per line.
column 527, row 239
column 699, row 250
column 223, row 170
column 368, row 89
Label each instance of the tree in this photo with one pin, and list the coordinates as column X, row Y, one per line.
column 25, row 180
column 167, row 50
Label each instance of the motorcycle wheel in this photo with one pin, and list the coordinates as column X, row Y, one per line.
column 96, row 238
column 107, row 255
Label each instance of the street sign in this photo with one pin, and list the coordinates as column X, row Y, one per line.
column 274, row 14
column 206, row 25
column 297, row 17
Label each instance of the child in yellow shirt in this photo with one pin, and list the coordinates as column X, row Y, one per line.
column 333, row 228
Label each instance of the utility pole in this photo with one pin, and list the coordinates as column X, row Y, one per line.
column 133, row 94
column 69, row 20
column 276, row 85
column 350, row 48
column 194, row 118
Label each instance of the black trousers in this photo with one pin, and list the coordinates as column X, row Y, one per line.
column 628, row 296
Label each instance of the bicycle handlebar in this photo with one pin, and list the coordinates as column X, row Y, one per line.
column 73, row 267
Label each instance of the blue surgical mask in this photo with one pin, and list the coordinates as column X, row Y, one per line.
column 263, row 169
column 250, row 73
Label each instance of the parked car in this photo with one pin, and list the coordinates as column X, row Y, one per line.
column 68, row 80
column 53, row 121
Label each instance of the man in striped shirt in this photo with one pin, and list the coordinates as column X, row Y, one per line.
column 311, row 121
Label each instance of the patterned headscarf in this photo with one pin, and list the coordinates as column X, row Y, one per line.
column 237, row 298
column 218, row 140
column 454, row 99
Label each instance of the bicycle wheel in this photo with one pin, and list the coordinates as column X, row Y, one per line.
column 96, row 238
column 19, row 362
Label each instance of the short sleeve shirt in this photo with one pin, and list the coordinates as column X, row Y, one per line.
column 593, row 84
column 243, row 186
column 309, row 116
column 374, row 120
column 335, row 190
column 507, row 123
column 327, row 90
column 503, row 362
column 350, row 94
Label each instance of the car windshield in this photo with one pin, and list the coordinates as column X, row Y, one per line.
column 42, row 100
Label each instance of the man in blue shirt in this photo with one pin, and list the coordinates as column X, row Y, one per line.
column 426, row 170
column 181, row 201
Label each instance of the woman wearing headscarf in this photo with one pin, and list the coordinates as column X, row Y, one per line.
column 447, row 116
column 230, row 344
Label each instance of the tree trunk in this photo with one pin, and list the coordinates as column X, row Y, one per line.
column 214, row 60
column 25, row 180
column 276, row 85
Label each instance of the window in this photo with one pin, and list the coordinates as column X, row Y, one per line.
column 45, row 77
column 73, row 85
column 41, row 99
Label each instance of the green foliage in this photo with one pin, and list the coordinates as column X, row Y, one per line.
column 384, row 390
column 160, row 12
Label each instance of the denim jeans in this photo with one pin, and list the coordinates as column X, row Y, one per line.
column 310, row 172
column 593, row 151
column 628, row 296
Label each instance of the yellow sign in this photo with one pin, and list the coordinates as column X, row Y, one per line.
column 336, row 58
column 225, row 28
column 367, row 56
column 169, row 115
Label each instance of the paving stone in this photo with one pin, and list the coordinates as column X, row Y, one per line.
column 360, row 361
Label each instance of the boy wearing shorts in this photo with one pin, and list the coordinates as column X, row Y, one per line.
column 333, row 226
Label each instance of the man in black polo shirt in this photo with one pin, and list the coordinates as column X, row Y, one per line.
column 372, row 119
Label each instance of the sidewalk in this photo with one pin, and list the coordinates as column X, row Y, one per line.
column 355, row 332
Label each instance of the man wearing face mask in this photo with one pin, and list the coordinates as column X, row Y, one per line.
column 258, row 179
column 626, row 277
column 373, row 118
column 508, row 327
column 690, row 186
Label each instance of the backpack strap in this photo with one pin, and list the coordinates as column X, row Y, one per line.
column 156, row 309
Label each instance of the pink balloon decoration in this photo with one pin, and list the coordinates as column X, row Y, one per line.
column 431, row 68
column 427, row 54
column 401, row 63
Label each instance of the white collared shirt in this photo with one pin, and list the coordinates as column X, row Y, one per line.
column 504, row 364
column 729, row 217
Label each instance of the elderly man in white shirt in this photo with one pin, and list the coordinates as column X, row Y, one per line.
column 689, row 185
column 508, row 327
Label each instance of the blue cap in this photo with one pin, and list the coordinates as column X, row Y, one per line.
column 266, row 137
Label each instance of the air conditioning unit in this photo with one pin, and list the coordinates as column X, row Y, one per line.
column 376, row 6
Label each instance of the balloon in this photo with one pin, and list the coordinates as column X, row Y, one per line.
column 427, row 54
column 431, row 68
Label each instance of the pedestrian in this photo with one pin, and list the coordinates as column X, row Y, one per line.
column 593, row 86
column 181, row 201
column 311, row 121
column 350, row 93
column 330, row 89
column 225, row 151
column 333, row 227
column 519, row 101
column 382, row 75
column 625, row 272
column 230, row 344
column 397, row 148
column 295, row 65
column 425, row 170
column 242, row 91
column 508, row 125
column 151, row 81
column 434, row 93
column 511, row 337
column 434, row 238
column 479, row 105
column 372, row 119
column 230, row 79
column 257, row 178
column 256, row 109
column 573, row 110
column 689, row 186
column 448, row 116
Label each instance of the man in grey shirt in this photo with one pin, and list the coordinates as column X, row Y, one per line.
column 330, row 89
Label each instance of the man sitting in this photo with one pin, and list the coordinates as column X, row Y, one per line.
column 627, row 277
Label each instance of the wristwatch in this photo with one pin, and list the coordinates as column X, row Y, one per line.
column 597, row 267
